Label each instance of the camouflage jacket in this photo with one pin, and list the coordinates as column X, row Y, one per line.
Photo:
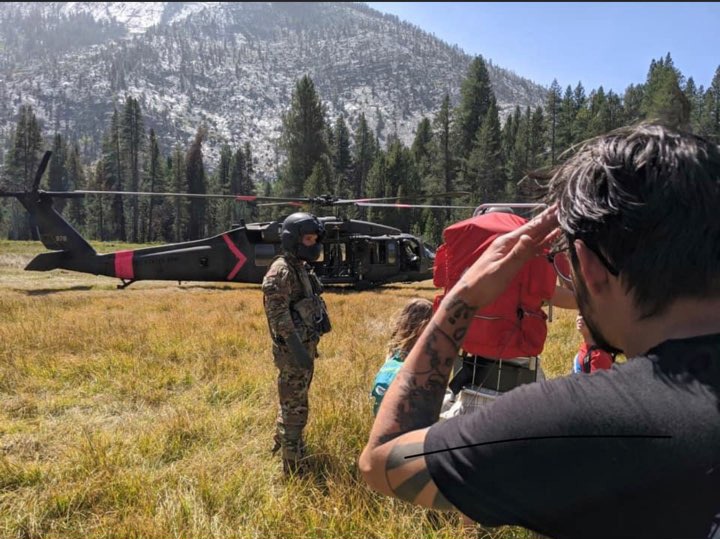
column 290, row 289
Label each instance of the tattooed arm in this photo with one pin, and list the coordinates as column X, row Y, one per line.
column 392, row 461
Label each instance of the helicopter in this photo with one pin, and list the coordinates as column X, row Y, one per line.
column 355, row 252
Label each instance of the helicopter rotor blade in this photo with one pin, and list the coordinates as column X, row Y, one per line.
column 447, row 194
column 289, row 203
column 252, row 199
column 403, row 205
column 323, row 200
column 152, row 193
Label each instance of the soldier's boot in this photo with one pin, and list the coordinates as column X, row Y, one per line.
column 293, row 457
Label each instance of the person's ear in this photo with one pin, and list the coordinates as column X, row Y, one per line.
column 593, row 271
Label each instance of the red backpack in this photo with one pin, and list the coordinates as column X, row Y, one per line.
column 514, row 325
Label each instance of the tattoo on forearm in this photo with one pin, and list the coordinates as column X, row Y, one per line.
column 459, row 316
column 408, row 487
column 399, row 454
column 441, row 502
column 423, row 388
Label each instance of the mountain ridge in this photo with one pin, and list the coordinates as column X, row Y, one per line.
column 230, row 66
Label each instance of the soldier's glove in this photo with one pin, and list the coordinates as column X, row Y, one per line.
column 298, row 351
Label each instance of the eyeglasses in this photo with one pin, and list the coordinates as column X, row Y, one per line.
column 561, row 264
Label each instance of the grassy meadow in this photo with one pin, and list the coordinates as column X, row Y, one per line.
column 149, row 412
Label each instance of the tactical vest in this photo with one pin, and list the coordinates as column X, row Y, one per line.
column 310, row 311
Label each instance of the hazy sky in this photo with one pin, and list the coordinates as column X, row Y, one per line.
column 598, row 43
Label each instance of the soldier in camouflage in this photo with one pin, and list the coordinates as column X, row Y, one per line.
column 297, row 318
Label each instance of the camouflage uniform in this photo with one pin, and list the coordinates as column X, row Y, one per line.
column 291, row 301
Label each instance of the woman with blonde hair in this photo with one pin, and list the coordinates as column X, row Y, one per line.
column 408, row 325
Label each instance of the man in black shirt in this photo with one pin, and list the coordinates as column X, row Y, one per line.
column 629, row 452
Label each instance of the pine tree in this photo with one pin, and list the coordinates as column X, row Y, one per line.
column 113, row 175
column 178, row 181
column 363, row 157
column 696, row 102
column 376, row 185
column 224, row 182
column 663, row 99
column 422, row 153
column 57, row 173
column 304, row 137
column 196, row 183
column 552, row 106
column 513, row 137
column 132, row 136
column 582, row 114
column 238, row 186
column 536, row 140
column 401, row 181
column 322, row 176
column 600, row 121
column 21, row 163
column 616, row 110
column 432, row 231
column 476, row 95
column 710, row 121
column 94, row 206
column 76, row 181
column 154, row 180
column 632, row 103
column 444, row 157
column 485, row 172
column 249, row 183
column 566, row 121
column 342, row 158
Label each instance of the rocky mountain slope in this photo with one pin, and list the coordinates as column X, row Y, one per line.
column 232, row 66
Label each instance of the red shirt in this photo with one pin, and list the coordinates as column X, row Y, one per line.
column 599, row 359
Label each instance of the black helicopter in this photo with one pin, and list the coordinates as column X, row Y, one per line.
column 359, row 253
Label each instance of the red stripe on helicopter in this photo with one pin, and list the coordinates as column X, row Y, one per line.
column 246, row 198
column 124, row 265
column 238, row 254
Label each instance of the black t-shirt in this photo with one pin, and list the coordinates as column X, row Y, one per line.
column 593, row 475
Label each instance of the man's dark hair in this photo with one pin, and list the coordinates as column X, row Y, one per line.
column 647, row 199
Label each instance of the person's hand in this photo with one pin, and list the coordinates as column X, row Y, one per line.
column 488, row 277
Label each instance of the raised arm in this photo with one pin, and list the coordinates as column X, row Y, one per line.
column 392, row 461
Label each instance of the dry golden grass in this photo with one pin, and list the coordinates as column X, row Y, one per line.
column 149, row 412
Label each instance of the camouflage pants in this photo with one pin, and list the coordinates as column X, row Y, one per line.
column 293, row 386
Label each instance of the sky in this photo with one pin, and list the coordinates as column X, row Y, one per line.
column 596, row 43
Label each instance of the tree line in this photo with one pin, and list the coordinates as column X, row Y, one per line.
column 468, row 148
column 131, row 160
column 465, row 147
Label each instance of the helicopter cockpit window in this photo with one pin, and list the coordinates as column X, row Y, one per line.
column 410, row 252
column 264, row 253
